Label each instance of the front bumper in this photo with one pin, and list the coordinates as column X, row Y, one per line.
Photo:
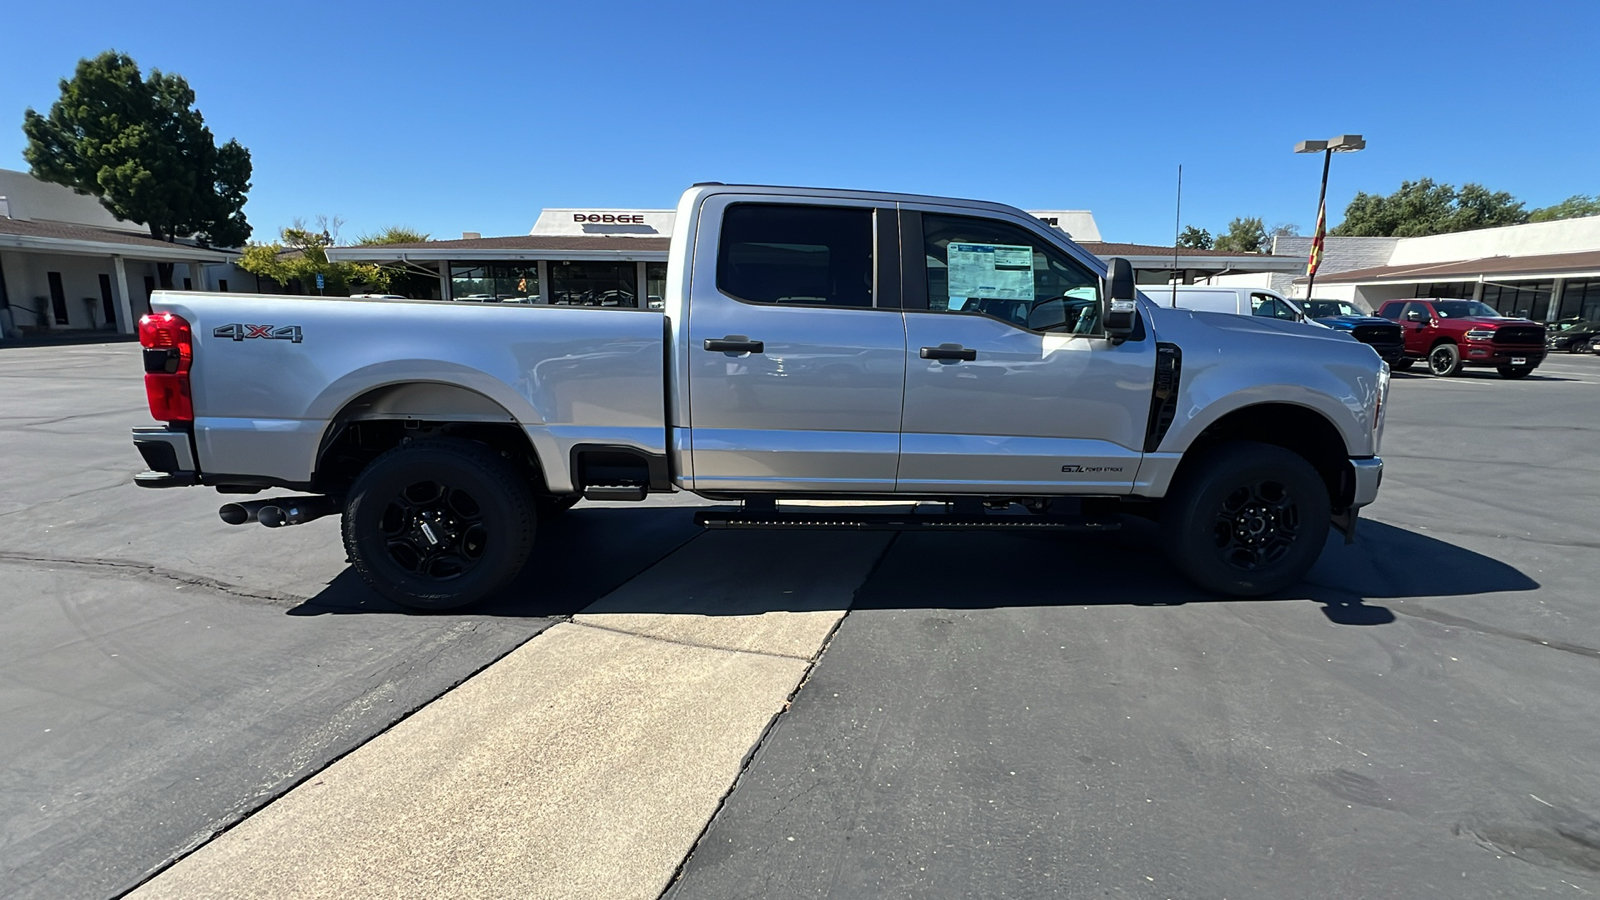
column 1493, row 355
column 169, row 454
column 1368, row 475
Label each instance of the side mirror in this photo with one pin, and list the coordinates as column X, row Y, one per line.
column 1413, row 316
column 1121, row 310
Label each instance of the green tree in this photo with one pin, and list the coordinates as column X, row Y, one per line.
column 1424, row 207
column 140, row 147
column 301, row 254
column 298, row 256
column 1244, row 235
column 1196, row 238
column 1575, row 207
column 391, row 280
column 394, row 234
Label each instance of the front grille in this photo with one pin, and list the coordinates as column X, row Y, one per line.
column 1383, row 335
column 1519, row 334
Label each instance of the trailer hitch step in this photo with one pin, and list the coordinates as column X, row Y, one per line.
column 902, row 522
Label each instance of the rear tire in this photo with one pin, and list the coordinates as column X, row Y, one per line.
column 1246, row 519
column 1516, row 372
column 1444, row 360
column 439, row 523
column 1400, row 365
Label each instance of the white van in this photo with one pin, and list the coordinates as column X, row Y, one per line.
column 1242, row 301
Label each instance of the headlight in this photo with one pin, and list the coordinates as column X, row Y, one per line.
column 1480, row 334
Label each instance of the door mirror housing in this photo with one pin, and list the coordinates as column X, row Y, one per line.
column 1413, row 316
column 1121, row 309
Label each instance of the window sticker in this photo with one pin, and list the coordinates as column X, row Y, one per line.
column 989, row 271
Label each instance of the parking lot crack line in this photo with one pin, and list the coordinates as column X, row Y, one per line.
column 1443, row 618
column 68, row 496
column 152, row 572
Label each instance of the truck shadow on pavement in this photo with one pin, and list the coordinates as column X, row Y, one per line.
column 579, row 558
column 593, row 552
column 992, row 570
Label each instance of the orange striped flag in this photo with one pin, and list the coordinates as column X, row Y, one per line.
column 1315, row 259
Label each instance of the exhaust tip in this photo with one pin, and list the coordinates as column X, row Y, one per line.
column 234, row 514
column 272, row 517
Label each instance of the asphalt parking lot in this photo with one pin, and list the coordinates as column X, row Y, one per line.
column 996, row 715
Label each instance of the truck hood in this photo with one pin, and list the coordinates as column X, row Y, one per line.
column 1250, row 325
column 1495, row 321
column 1347, row 323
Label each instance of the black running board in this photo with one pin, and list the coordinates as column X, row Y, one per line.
column 616, row 492
column 902, row 522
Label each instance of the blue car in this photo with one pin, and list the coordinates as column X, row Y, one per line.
column 1385, row 336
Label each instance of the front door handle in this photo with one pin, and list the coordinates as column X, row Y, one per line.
column 734, row 343
column 951, row 352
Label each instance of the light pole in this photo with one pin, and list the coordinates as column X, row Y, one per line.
column 1344, row 143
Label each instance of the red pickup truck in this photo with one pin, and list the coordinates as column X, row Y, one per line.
column 1451, row 334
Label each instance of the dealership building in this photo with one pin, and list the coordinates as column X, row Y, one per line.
column 68, row 265
column 1543, row 271
column 618, row 257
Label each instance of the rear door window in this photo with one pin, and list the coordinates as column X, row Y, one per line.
column 796, row 255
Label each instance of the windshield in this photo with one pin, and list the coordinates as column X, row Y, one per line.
column 1324, row 309
column 1461, row 309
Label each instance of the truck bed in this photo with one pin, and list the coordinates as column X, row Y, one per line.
column 271, row 373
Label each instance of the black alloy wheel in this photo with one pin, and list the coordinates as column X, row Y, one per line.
column 434, row 530
column 1514, row 371
column 1245, row 518
column 439, row 523
column 1256, row 525
column 1444, row 360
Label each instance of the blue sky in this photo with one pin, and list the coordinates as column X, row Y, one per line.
column 471, row 116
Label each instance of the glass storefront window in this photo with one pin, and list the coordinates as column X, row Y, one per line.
column 1580, row 299
column 655, row 281
column 495, row 282
column 589, row 283
column 1528, row 299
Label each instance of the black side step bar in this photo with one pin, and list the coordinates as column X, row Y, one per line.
column 615, row 491
column 745, row 520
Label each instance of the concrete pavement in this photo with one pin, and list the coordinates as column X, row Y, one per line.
column 584, row 764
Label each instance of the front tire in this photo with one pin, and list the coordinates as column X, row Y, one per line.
column 1444, row 360
column 439, row 523
column 1514, row 372
column 1246, row 519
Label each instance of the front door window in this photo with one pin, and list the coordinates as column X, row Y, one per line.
column 994, row 269
column 1271, row 307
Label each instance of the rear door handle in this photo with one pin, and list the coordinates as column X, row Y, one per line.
column 951, row 352
column 734, row 343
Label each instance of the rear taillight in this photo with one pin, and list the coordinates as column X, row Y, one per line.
column 168, row 351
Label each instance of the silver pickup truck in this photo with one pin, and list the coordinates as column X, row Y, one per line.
column 816, row 344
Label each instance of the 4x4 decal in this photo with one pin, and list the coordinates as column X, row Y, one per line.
column 240, row 332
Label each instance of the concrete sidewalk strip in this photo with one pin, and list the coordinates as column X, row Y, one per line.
column 772, row 592
column 583, row 764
